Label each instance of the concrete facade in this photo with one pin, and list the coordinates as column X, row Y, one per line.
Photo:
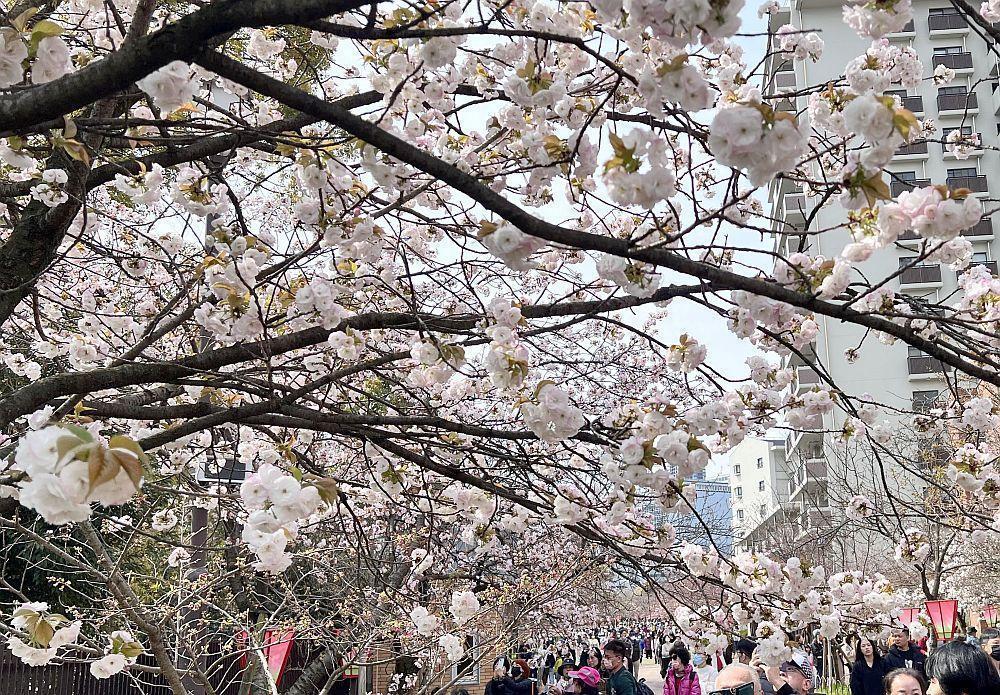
column 894, row 375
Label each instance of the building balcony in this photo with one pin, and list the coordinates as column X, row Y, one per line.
column 795, row 207
column 914, row 104
column 976, row 184
column 897, row 186
column 907, row 31
column 955, row 61
column 784, row 80
column 807, row 378
column 913, row 150
column 989, row 265
column 917, row 366
column 975, row 152
column 921, row 275
column 960, row 103
column 949, row 23
column 982, row 229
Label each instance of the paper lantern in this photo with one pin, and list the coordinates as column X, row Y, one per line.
column 943, row 614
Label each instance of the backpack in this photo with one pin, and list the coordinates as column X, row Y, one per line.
column 640, row 685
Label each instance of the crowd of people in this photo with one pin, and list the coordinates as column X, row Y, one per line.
column 873, row 663
column 606, row 663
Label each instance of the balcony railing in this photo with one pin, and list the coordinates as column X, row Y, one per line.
column 989, row 265
column 957, row 102
column 914, row 104
column 918, row 147
column 795, row 205
column 920, row 275
column 976, row 184
column 955, row 61
column 924, row 365
column 807, row 378
column 897, row 186
column 983, row 227
column 784, row 80
column 941, row 22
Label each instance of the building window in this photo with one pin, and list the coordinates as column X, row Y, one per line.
column 760, row 486
column 942, row 10
column 963, row 171
column 954, row 89
column 466, row 669
column 948, row 50
column 736, row 469
column 763, row 511
column 915, row 262
column 739, row 514
column 738, row 491
column 760, row 463
column 965, row 130
column 906, row 175
column 924, row 400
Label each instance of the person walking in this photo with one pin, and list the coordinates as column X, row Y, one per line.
column 991, row 645
column 665, row 646
column 904, row 654
column 706, row 670
column 620, row 680
column 635, row 655
column 681, row 678
column 868, row 670
column 971, row 636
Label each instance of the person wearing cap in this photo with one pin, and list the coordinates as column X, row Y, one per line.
column 904, row 654
column 793, row 677
column 586, row 681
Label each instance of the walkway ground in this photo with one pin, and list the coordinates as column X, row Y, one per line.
column 650, row 670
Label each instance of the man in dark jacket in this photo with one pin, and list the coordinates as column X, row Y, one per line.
column 635, row 657
column 904, row 654
column 620, row 680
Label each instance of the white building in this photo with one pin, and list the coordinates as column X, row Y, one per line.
column 896, row 375
column 759, row 489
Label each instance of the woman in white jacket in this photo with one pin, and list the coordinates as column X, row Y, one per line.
column 707, row 673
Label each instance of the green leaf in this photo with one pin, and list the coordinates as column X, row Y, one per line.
column 81, row 433
column 43, row 30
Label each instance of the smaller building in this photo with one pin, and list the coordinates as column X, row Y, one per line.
column 760, row 487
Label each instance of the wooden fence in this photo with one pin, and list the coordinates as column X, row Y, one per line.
column 225, row 674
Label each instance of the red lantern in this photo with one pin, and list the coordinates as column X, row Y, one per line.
column 908, row 616
column 991, row 616
column 943, row 615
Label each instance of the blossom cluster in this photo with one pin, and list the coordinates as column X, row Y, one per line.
column 277, row 502
column 67, row 469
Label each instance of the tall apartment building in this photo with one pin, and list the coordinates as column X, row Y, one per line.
column 760, row 492
column 896, row 375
